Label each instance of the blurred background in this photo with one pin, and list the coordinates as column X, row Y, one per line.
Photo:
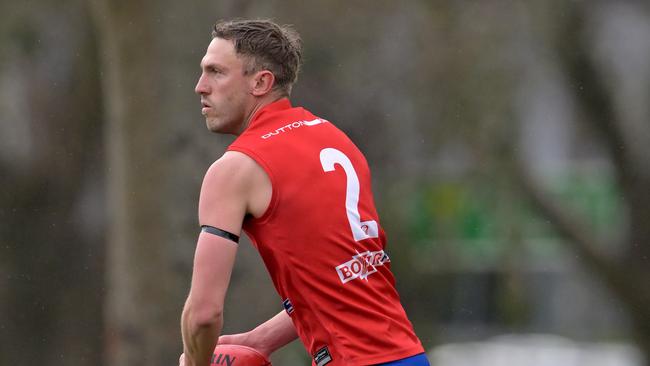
column 509, row 143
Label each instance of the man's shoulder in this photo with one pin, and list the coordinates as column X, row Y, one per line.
column 231, row 163
column 231, row 169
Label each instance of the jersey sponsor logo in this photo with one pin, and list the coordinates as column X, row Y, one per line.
column 292, row 126
column 288, row 306
column 322, row 357
column 361, row 265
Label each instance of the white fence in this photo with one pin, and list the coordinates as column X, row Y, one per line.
column 535, row 350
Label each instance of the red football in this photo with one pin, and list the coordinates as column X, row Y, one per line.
column 236, row 355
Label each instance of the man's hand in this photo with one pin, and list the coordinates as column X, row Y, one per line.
column 241, row 339
column 267, row 337
column 245, row 339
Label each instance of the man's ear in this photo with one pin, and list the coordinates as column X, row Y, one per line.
column 263, row 83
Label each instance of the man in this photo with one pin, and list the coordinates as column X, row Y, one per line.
column 301, row 191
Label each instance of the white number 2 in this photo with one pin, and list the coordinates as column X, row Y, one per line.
column 360, row 230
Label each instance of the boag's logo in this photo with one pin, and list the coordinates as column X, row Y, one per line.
column 361, row 265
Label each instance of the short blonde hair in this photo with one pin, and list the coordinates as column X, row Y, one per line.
column 269, row 46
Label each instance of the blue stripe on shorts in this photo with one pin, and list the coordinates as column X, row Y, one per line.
column 417, row 360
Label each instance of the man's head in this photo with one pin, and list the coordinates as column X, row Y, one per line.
column 265, row 46
column 247, row 64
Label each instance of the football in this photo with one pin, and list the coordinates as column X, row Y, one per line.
column 236, row 355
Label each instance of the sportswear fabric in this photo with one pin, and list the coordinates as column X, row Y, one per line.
column 321, row 241
column 417, row 360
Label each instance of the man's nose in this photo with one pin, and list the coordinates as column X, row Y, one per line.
column 201, row 86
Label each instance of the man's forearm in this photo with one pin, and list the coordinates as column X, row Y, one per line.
column 199, row 338
column 202, row 316
column 273, row 334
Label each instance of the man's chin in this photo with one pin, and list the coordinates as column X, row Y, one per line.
column 211, row 128
column 212, row 125
column 216, row 127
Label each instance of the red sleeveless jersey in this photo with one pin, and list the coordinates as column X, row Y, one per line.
column 321, row 241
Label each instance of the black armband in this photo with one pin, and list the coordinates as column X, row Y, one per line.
column 218, row 232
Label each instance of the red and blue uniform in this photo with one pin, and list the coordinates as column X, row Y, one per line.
column 321, row 241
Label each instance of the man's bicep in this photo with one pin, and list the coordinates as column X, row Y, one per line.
column 223, row 199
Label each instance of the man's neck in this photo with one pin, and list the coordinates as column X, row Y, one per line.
column 260, row 103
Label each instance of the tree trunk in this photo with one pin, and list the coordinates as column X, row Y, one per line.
column 51, row 256
column 156, row 143
column 626, row 275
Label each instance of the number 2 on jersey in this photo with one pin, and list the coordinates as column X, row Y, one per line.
column 360, row 229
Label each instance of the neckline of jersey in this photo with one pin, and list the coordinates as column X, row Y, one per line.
column 278, row 105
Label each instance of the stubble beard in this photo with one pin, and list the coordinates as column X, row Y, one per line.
column 231, row 117
column 221, row 125
column 213, row 124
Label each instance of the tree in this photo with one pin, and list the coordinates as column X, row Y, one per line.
column 150, row 54
column 628, row 274
column 51, row 248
